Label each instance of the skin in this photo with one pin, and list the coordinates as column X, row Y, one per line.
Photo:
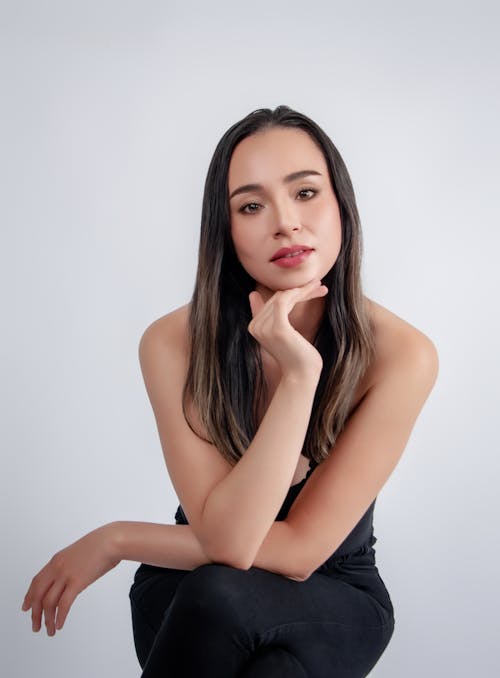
column 284, row 214
column 286, row 305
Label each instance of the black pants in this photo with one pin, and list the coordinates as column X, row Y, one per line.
column 221, row 622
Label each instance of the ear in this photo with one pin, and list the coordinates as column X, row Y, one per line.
column 256, row 302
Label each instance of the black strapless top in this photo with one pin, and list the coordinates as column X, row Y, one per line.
column 360, row 540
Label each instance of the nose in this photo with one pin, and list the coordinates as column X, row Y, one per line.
column 285, row 230
column 287, row 223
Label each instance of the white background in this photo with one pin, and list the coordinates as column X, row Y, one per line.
column 111, row 112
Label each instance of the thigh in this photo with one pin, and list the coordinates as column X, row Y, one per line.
column 150, row 595
column 330, row 627
column 225, row 615
column 267, row 662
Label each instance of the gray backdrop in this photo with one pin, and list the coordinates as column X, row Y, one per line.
column 111, row 111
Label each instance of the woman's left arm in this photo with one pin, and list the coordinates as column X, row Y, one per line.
column 344, row 485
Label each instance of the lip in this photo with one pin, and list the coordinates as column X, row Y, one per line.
column 295, row 260
column 289, row 250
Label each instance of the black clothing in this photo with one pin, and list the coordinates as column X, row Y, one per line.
column 223, row 622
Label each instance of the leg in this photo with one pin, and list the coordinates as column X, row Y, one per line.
column 273, row 662
column 220, row 617
column 150, row 595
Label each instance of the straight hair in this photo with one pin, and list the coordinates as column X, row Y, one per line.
column 224, row 381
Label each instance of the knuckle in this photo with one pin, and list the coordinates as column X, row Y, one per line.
column 255, row 330
column 74, row 584
column 57, row 560
column 50, row 601
column 63, row 607
column 35, row 594
column 279, row 333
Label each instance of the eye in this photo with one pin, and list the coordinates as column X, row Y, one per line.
column 310, row 190
column 243, row 208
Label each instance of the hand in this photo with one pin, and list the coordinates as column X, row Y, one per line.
column 66, row 574
column 271, row 327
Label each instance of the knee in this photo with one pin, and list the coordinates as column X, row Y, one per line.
column 213, row 592
column 273, row 660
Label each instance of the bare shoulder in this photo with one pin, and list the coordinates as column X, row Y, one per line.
column 170, row 330
column 347, row 482
column 163, row 356
column 399, row 345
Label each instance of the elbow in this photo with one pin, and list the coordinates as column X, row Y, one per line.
column 225, row 551
column 221, row 548
column 296, row 578
column 303, row 577
column 298, row 570
column 236, row 563
column 222, row 556
column 301, row 573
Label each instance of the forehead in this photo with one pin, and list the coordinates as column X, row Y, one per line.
column 268, row 155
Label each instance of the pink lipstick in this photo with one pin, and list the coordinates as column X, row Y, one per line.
column 288, row 257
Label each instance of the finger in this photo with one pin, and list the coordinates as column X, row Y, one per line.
column 49, row 604
column 302, row 290
column 309, row 288
column 320, row 291
column 65, row 602
column 29, row 595
column 256, row 302
column 313, row 289
column 26, row 602
column 295, row 295
column 34, row 598
column 36, row 615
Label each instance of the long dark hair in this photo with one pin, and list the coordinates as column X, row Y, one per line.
column 224, row 381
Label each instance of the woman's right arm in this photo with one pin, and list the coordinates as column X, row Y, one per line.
column 243, row 506
column 231, row 509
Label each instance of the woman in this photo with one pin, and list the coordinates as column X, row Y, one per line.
column 284, row 399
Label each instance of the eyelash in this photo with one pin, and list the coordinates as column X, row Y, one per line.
column 302, row 190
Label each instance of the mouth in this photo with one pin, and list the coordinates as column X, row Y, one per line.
column 289, row 252
column 293, row 259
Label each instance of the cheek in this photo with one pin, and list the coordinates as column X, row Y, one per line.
column 332, row 234
column 246, row 242
column 243, row 251
column 328, row 224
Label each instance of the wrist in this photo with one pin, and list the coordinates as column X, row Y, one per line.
column 301, row 378
column 113, row 536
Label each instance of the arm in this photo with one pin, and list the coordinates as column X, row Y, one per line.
column 241, row 509
column 176, row 546
column 197, row 468
column 75, row 567
column 343, row 486
column 231, row 508
column 258, row 484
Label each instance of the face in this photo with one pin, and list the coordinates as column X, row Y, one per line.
column 281, row 211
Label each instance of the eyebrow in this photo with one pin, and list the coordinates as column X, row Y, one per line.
column 247, row 188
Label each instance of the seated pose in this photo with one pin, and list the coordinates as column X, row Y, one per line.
column 284, row 399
